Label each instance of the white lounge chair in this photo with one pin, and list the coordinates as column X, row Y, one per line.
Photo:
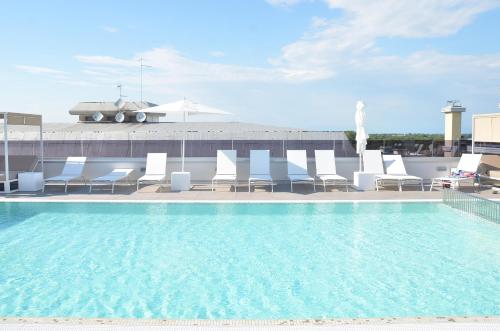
column 395, row 171
column 326, row 169
column 373, row 162
column 156, row 169
column 468, row 163
column 226, row 168
column 260, row 171
column 297, row 168
column 111, row 179
column 73, row 169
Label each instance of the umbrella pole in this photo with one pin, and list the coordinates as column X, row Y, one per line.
column 183, row 142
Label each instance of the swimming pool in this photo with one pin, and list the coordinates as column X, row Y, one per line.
column 246, row 261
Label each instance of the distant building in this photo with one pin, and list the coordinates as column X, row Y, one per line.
column 100, row 134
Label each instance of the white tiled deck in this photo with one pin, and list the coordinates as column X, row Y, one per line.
column 413, row 324
column 226, row 193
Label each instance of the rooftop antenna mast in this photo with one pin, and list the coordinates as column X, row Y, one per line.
column 119, row 86
column 142, row 67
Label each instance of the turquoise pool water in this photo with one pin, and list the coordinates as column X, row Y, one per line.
column 246, row 261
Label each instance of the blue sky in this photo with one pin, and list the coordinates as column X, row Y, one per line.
column 285, row 62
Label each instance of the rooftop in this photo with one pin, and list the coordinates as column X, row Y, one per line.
column 169, row 130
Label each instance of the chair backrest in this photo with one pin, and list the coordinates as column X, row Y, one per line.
column 325, row 162
column 469, row 162
column 226, row 162
column 394, row 165
column 297, row 162
column 372, row 162
column 74, row 166
column 156, row 164
column 259, row 162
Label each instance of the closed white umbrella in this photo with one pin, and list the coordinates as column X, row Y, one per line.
column 361, row 135
column 186, row 108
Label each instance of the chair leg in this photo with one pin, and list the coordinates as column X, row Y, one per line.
column 112, row 188
column 90, row 188
column 432, row 185
column 314, row 186
column 291, row 186
column 43, row 188
column 249, row 186
column 400, row 186
column 212, row 185
column 272, row 186
column 324, row 186
column 65, row 187
column 422, row 184
column 346, row 186
column 137, row 189
column 376, row 184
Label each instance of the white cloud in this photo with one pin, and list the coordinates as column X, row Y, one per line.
column 217, row 54
column 39, row 70
column 110, row 29
column 319, row 22
column 106, row 60
column 332, row 47
column 334, row 44
column 169, row 66
column 284, row 3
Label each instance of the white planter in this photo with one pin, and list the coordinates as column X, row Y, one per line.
column 30, row 181
column 180, row 181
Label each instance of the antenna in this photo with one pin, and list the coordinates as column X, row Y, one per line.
column 120, row 88
column 143, row 66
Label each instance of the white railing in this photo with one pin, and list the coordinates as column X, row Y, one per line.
column 472, row 204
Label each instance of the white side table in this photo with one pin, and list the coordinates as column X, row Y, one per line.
column 180, row 181
column 364, row 181
column 30, row 181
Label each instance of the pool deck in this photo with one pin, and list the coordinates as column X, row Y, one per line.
column 419, row 323
column 302, row 193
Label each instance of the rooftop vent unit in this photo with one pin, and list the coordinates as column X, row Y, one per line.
column 140, row 117
column 97, row 116
column 120, row 117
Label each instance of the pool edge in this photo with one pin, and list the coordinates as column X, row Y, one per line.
column 494, row 320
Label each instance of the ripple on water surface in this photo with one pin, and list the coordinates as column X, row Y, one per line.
column 246, row 261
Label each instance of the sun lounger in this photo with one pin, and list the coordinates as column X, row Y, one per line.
column 260, row 171
column 156, row 169
column 466, row 171
column 73, row 169
column 297, row 168
column 373, row 162
column 326, row 170
column 111, row 179
column 395, row 171
column 226, row 168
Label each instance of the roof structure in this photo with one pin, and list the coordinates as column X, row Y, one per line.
column 170, row 130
